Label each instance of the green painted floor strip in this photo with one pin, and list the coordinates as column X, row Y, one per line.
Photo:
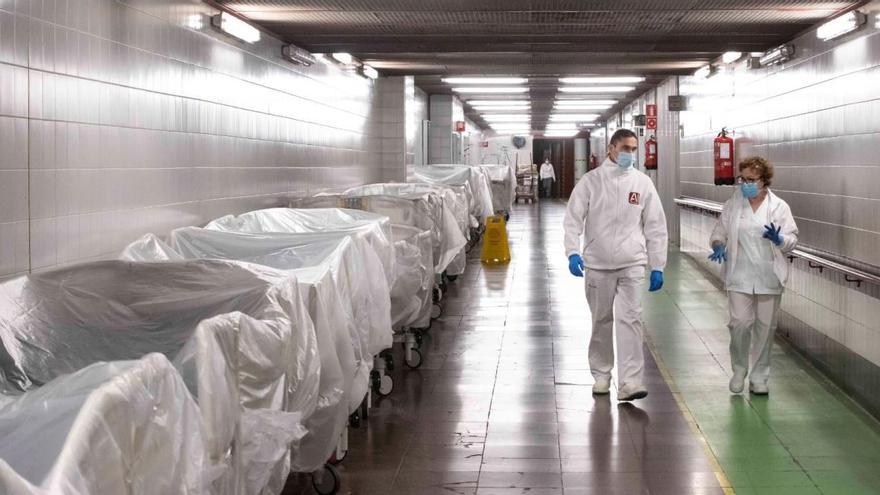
column 806, row 437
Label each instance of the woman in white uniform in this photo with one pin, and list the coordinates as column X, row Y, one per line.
column 752, row 237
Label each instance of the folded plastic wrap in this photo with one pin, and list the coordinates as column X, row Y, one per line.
column 118, row 427
column 449, row 213
column 328, row 269
column 239, row 334
column 503, row 183
column 472, row 180
column 411, row 297
column 374, row 228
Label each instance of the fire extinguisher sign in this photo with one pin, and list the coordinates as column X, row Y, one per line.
column 651, row 114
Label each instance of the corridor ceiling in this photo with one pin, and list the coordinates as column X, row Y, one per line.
column 538, row 39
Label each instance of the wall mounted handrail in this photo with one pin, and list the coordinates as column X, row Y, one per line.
column 814, row 257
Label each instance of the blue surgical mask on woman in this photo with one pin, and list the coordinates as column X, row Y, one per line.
column 626, row 160
column 749, row 190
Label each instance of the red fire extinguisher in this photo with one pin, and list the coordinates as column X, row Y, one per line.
column 724, row 174
column 651, row 153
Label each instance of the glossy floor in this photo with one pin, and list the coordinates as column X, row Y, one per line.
column 503, row 405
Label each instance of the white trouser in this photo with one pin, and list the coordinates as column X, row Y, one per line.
column 752, row 324
column 615, row 299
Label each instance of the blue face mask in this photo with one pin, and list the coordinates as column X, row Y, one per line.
column 626, row 160
column 750, row 191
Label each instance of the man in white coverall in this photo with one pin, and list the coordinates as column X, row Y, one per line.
column 618, row 210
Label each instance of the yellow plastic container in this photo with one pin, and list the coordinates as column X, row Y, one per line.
column 496, row 249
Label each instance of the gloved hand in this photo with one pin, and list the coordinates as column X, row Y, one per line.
column 656, row 281
column 576, row 265
column 719, row 253
column 772, row 233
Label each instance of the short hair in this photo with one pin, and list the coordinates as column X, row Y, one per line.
column 760, row 165
column 622, row 134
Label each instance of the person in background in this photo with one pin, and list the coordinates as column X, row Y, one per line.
column 751, row 238
column 548, row 177
column 618, row 210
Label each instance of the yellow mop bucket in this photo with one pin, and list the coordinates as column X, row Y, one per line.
column 496, row 250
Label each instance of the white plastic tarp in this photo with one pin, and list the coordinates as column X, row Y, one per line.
column 412, row 295
column 327, row 267
column 239, row 334
column 118, row 427
column 376, row 229
column 503, row 180
column 473, row 179
column 453, row 213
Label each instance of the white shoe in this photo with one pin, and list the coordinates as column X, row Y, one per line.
column 759, row 388
column 601, row 386
column 631, row 392
column 737, row 383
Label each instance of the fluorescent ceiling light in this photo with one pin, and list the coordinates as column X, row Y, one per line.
column 839, row 26
column 500, row 108
column 573, row 117
column 510, row 127
column 703, row 72
column 343, row 58
column 236, row 27
column 297, row 55
column 559, row 108
column 562, row 103
column 730, row 57
column 560, row 133
column 596, row 89
column 369, row 72
column 497, row 102
column 506, row 118
column 485, row 80
column 778, row 55
column 756, row 54
column 601, row 80
column 561, row 126
column 489, row 89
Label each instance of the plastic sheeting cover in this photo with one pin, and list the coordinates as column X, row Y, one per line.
column 374, row 228
column 449, row 209
column 118, row 427
column 474, row 180
column 327, row 267
column 503, row 178
column 411, row 298
column 239, row 334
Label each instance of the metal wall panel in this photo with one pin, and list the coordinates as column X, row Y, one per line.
column 134, row 116
column 817, row 118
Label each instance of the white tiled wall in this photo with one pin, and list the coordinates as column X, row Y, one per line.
column 124, row 117
column 817, row 118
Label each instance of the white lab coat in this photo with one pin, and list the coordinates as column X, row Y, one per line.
column 547, row 172
column 620, row 215
column 727, row 232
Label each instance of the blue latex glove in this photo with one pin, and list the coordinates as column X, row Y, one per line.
column 656, row 281
column 576, row 265
column 772, row 233
column 719, row 253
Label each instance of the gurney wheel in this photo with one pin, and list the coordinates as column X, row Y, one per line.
column 386, row 385
column 329, row 480
column 453, row 278
column 506, row 217
column 436, row 311
column 415, row 359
